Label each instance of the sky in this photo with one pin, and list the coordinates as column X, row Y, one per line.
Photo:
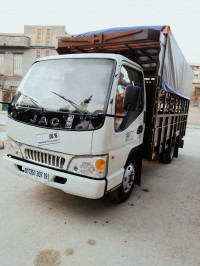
column 80, row 16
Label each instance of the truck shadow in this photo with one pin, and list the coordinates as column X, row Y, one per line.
column 65, row 205
column 55, row 202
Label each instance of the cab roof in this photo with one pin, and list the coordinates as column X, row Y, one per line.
column 117, row 57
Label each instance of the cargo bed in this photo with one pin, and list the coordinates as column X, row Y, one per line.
column 168, row 79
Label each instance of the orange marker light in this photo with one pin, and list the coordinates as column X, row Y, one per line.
column 166, row 30
column 100, row 164
column 113, row 157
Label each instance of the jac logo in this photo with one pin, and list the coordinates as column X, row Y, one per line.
column 54, row 122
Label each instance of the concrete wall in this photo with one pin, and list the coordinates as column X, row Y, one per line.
column 15, row 40
column 194, row 115
column 8, row 55
column 194, row 111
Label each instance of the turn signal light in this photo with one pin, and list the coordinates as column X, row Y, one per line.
column 100, row 164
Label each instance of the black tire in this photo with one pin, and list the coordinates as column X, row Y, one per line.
column 167, row 155
column 123, row 192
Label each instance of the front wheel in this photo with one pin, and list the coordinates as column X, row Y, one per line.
column 123, row 192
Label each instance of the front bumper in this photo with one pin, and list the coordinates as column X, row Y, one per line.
column 76, row 185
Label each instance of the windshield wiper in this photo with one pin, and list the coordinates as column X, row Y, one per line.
column 33, row 101
column 69, row 101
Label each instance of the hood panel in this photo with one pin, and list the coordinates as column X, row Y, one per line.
column 69, row 142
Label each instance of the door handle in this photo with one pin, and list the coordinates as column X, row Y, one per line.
column 140, row 129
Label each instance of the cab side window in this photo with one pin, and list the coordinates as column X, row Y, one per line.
column 128, row 76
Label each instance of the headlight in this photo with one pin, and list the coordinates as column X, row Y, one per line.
column 89, row 166
column 12, row 147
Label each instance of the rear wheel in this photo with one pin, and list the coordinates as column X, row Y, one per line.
column 168, row 155
column 123, row 192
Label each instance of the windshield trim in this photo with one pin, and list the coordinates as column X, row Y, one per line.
column 111, row 76
column 110, row 85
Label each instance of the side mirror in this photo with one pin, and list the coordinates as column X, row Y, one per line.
column 131, row 97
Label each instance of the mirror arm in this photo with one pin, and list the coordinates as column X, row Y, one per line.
column 5, row 102
column 109, row 115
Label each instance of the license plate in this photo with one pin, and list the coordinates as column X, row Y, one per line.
column 40, row 175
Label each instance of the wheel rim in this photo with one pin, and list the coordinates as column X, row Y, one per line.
column 129, row 177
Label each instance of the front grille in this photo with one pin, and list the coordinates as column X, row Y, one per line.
column 44, row 158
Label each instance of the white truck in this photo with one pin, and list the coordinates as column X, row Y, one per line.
column 82, row 121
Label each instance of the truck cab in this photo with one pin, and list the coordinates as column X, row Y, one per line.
column 77, row 123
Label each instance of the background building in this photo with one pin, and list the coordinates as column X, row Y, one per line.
column 195, row 95
column 194, row 111
column 19, row 51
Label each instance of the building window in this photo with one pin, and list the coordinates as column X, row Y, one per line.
column 2, row 64
column 38, row 53
column 39, row 36
column 195, row 77
column 7, row 96
column 17, row 68
column 197, row 91
column 47, row 52
column 48, row 37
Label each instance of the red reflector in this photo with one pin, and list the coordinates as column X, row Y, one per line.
column 166, row 30
column 1, row 145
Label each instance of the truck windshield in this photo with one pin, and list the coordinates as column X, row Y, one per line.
column 67, row 84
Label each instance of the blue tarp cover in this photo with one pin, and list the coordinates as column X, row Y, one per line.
column 119, row 29
column 167, row 88
column 177, row 75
